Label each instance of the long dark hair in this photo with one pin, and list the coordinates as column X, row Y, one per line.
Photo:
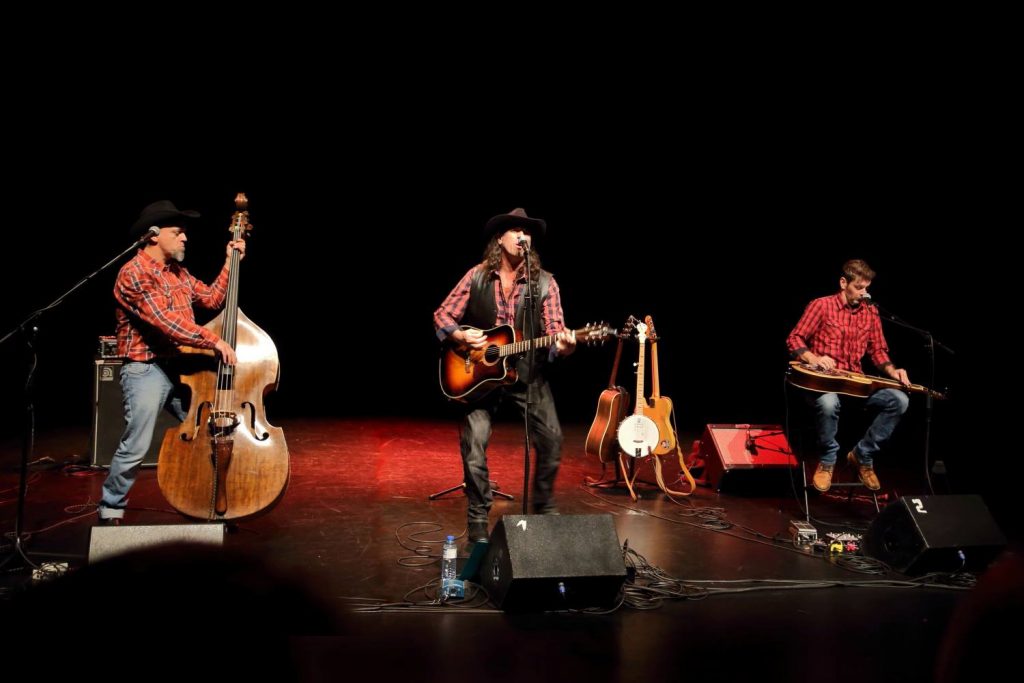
column 492, row 259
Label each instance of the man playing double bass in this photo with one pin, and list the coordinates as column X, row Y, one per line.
column 155, row 295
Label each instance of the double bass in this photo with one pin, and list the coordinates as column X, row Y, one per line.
column 225, row 461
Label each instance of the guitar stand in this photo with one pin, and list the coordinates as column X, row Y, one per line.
column 604, row 482
column 494, row 490
column 623, row 475
column 629, row 474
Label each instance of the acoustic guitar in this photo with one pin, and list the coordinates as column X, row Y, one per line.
column 658, row 407
column 638, row 434
column 612, row 406
column 813, row 378
column 468, row 374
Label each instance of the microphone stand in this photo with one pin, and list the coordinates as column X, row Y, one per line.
column 529, row 317
column 28, row 331
column 929, row 401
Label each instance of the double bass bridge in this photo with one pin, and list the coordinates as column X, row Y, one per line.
column 222, row 423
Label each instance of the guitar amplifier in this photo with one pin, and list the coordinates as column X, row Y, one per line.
column 108, row 417
column 752, row 458
column 107, row 347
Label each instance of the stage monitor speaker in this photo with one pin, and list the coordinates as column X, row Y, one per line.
column 553, row 562
column 108, row 417
column 108, row 541
column 746, row 457
column 922, row 534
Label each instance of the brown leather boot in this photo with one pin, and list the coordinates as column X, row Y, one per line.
column 866, row 473
column 822, row 478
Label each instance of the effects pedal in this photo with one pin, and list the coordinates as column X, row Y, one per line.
column 803, row 534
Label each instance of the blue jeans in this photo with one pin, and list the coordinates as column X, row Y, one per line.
column 889, row 405
column 145, row 388
column 545, row 436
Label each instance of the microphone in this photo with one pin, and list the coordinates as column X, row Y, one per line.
column 523, row 243
column 153, row 231
column 866, row 299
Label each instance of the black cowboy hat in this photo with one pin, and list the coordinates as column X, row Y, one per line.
column 160, row 213
column 516, row 218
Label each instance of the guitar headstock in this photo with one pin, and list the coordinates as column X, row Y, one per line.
column 641, row 333
column 628, row 328
column 595, row 333
column 651, row 334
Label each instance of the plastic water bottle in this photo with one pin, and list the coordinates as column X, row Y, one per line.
column 449, row 570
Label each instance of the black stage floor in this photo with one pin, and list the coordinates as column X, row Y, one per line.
column 340, row 578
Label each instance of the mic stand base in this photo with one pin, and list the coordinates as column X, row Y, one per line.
column 17, row 553
column 19, row 514
column 461, row 487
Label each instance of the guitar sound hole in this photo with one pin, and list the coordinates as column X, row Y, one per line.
column 491, row 354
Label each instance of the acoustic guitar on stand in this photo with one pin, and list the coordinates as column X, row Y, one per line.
column 658, row 407
column 468, row 374
column 612, row 406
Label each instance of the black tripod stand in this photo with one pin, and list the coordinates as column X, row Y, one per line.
column 462, row 486
column 459, row 487
column 27, row 331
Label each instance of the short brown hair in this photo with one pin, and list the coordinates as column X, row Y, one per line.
column 855, row 268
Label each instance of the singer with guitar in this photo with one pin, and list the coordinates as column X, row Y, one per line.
column 492, row 293
column 834, row 333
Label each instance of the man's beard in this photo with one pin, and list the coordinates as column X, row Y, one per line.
column 179, row 255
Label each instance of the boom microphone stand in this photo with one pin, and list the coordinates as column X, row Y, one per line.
column 28, row 331
column 930, row 344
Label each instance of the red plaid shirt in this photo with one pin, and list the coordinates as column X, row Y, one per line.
column 447, row 317
column 154, row 308
column 829, row 327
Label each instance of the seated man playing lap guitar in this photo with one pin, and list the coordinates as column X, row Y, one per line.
column 835, row 332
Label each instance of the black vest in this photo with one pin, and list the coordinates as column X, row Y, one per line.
column 481, row 312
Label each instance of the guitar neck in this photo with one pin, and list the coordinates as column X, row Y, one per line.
column 639, row 410
column 526, row 344
column 652, row 336
column 615, row 365
column 655, row 385
column 893, row 384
